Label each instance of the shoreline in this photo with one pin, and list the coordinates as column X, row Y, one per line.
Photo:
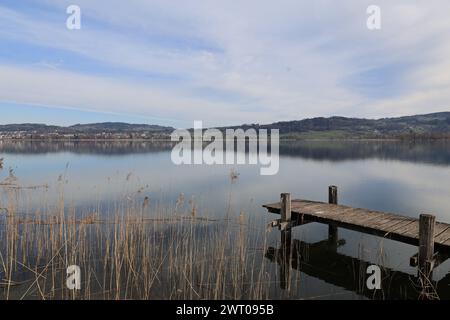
column 281, row 140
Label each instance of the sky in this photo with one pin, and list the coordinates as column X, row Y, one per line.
column 221, row 62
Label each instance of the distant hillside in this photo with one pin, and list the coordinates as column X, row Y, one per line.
column 117, row 127
column 28, row 127
column 434, row 125
column 425, row 126
column 110, row 127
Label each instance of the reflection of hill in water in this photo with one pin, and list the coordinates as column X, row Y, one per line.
column 433, row 152
column 84, row 147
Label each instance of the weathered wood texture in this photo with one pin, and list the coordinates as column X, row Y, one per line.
column 387, row 225
column 333, row 235
column 286, row 208
column 426, row 242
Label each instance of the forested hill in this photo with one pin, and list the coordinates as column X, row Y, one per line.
column 427, row 125
column 433, row 125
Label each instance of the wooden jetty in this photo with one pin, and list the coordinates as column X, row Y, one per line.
column 431, row 237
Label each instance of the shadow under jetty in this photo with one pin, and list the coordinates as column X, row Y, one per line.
column 323, row 261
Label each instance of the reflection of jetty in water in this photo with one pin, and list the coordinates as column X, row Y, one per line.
column 321, row 260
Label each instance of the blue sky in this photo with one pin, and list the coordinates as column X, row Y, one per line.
column 225, row 63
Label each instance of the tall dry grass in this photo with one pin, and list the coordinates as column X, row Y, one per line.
column 140, row 250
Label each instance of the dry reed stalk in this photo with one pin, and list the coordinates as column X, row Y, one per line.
column 136, row 250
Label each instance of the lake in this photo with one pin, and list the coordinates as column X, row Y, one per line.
column 104, row 177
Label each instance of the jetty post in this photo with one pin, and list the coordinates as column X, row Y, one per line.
column 332, row 199
column 426, row 245
column 286, row 238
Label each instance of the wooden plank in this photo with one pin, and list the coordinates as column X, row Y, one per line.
column 399, row 226
column 315, row 207
column 369, row 219
column 447, row 241
column 395, row 223
column 383, row 220
column 389, row 225
column 298, row 203
column 348, row 214
column 312, row 208
column 334, row 215
column 362, row 220
column 412, row 230
column 443, row 239
column 440, row 231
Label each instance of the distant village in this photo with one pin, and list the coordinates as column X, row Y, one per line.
column 431, row 126
column 34, row 135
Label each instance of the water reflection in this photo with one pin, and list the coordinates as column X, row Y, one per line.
column 83, row 147
column 322, row 260
column 408, row 178
column 432, row 152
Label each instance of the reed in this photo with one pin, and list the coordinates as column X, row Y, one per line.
column 136, row 250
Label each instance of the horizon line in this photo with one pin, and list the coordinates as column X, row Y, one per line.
column 222, row 126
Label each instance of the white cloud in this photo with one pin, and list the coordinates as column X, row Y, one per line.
column 70, row 90
column 238, row 61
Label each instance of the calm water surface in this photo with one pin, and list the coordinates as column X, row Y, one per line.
column 408, row 178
